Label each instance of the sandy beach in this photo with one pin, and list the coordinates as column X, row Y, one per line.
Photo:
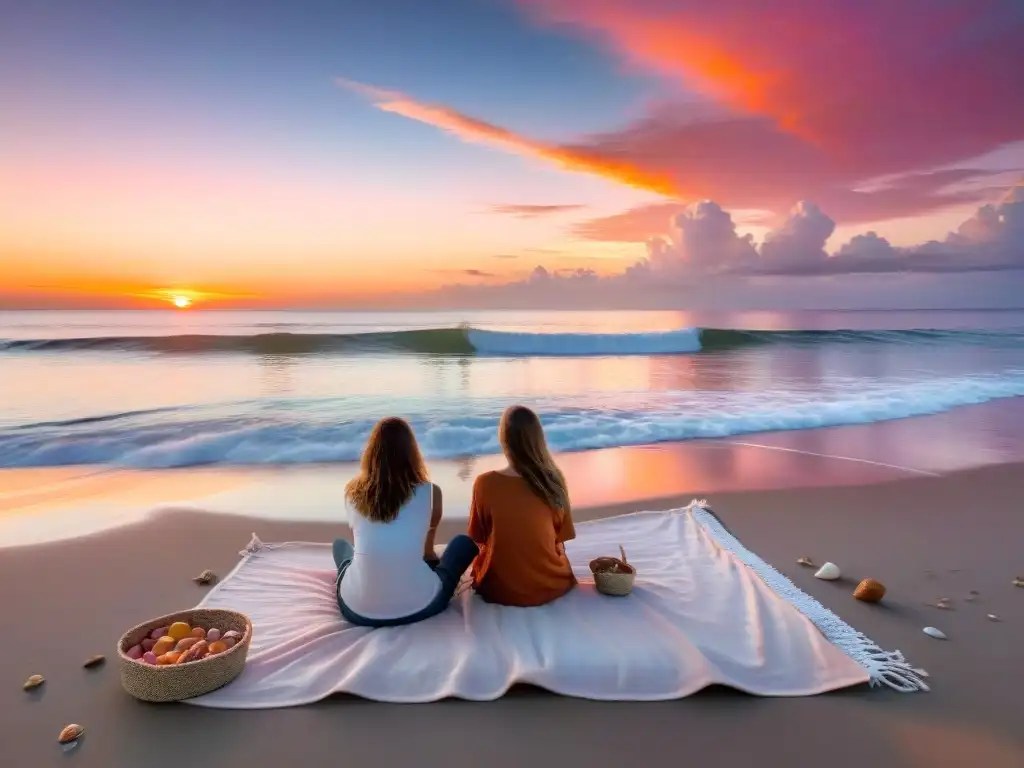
column 924, row 537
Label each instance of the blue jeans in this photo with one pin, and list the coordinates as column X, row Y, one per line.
column 457, row 557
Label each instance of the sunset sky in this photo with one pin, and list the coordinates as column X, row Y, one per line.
column 344, row 152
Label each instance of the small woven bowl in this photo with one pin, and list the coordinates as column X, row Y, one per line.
column 614, row 583
column 175, row 682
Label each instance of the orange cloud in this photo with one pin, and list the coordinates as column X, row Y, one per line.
column 937, row 79
column 478, row 131
column 807, row 100
column 741, row 162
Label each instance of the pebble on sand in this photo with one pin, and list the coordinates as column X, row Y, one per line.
column 805, row 561
column 938, row 634
column 993, row 617
column 94, row 661
column 828, row 572
column 34, row 682
column 70, row 733
column 1019, row 581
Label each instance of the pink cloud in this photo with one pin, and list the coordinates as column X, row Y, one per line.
column 805, row 100
column 873, row 84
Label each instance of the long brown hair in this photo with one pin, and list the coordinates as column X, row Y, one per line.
column 522, row 439
column 392, row 467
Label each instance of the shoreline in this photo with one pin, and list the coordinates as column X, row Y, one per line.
column 923, row 537
column 49, row 503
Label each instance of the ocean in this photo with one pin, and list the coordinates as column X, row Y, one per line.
column 171, row 389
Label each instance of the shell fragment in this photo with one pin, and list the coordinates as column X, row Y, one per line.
column 70, row 733
column 33, row 682
column 206, row 577
column 938, row 634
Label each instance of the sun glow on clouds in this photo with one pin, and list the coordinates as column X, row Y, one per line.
column 809, row 100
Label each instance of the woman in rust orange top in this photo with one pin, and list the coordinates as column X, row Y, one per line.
column 520, row 518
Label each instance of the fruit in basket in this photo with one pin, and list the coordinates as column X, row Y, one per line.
column 179, row 630
column 185, row 643
column 164, row 644
column 196, row 652
column 159, row 632
column 182, row 643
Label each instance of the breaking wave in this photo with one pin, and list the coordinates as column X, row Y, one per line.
column 189, row 436
column 477, row 341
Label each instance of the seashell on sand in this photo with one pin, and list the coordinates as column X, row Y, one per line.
column 828, row 572
column 938, row 634
column 94, row 661
column 943, row 604
column 1019, row 581
column 993, row 617
column 206, row 577
column 34, row 682
column 805, row 561
column 70, row 733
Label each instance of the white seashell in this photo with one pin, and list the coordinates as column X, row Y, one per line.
column 936, row 633
column 828, row 572
column 993, row 617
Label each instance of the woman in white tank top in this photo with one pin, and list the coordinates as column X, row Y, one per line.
column 390, row 575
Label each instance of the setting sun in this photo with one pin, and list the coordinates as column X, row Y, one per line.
column 181, row 302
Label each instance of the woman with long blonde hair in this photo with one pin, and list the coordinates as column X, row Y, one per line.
column 521, row 518
column 390, row 575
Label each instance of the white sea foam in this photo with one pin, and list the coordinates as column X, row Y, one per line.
column 685, row 340
column 139, row 441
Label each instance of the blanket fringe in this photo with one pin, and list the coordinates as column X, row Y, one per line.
column 887, row 668
column 254, row 545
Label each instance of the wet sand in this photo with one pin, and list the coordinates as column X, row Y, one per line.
column 46, row 504
column 64, row 601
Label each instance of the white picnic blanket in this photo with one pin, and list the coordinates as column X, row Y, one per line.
column 704, row 610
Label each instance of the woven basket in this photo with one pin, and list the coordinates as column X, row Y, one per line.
column 616, row 584
column 175, row 682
